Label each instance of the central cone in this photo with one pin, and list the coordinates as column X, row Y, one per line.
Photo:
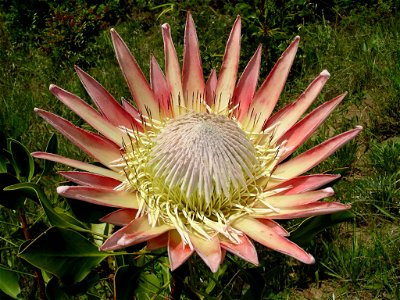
column 205, row 154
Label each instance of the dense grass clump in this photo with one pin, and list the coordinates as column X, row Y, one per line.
column 356, row 41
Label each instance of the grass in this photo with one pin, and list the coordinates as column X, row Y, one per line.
column 355, row 260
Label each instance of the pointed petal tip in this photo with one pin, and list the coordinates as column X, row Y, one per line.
column 329, row 191
column 325, row 73
column 37, row 154
column 310, row 260
column 62, row 189
column 114, row 34
column 358, row 127
column 103, row 248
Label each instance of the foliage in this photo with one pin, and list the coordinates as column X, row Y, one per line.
column 63, row 29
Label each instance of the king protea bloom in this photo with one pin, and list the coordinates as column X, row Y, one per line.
column 199, row 166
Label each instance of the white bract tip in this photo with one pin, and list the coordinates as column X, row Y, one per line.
column 329, row 190
column 325, row 73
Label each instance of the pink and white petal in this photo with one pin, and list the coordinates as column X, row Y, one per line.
column 300, row 132
column 269, row 238
column 192, row 71
column 173, row 72
column 208, row 250
column 99, row 196
column 211, row 86
column 130, row 109
column 288, row 116
column 79, row 165
column 105, row 102
column 274, row 226
column 267, row 96
column 160, row 87
column 247, row 85
column 285, row 201
column 94, row 145
column 137, row 231
column 89, row 114
column 307, row 160
column 245, row 249
column 120, row 217
column 137, row 83
column 229, row 69
column 158, row 242
column 178, row 251
column 90, row 179
column 308, row 210
column 305, row 183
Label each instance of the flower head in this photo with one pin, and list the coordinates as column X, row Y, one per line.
column 199, row 166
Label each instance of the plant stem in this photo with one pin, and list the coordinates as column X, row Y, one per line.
column 38, row 273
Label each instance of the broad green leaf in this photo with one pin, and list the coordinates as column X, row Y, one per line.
column 64, row 253
column 52, row 147
column 21, row 159
column 312, row 226
column 149, row 284
column 126, row 281
column 9, row 283
column 34, row 191
column 10, row 199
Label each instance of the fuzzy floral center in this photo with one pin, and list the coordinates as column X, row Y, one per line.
column 204, row 154
column 198, row 173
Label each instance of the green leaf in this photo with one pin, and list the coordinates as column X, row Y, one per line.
column 312, row 226
column 126, row 281
column 3, row 163
column 34, row 191
column 149, row 284
column 9, row 283
column 3, row 158
column 52, row 147
column 385, row 212
column 21, row 159
column 10, row 199
column 63, row 253
column 215, row 278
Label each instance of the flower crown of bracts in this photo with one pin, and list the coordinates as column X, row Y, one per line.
column 199, row 166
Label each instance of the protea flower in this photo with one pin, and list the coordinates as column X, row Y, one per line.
column 199, row 166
